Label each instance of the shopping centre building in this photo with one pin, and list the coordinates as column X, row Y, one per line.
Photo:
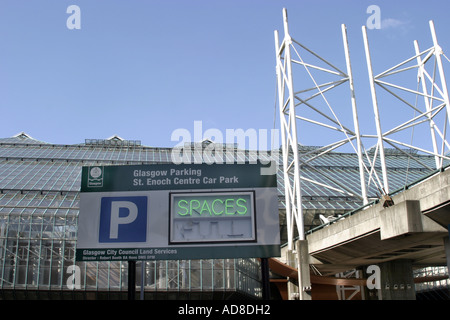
column 39, row 205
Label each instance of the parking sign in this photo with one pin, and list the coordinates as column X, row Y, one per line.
column 167, row 211
column 123, row 219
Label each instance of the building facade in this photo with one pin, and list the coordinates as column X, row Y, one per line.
column 39, row 205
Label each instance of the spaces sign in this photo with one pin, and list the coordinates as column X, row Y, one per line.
column 168, row 211
column 212, row 217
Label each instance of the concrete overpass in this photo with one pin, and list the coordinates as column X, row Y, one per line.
column 410, row 233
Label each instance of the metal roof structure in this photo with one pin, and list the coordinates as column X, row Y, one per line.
column 39, row 205
column 29, row 164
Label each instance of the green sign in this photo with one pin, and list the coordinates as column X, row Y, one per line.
column 216, row 205
column 168, row 211
column 95, row 177
column 212, row 217
column 174, row 177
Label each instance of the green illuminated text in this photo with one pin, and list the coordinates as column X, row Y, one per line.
column 212, row 207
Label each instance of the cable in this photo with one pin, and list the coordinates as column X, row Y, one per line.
column 412, row 136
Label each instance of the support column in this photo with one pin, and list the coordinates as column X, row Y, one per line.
column 397, row 281
column 304, row 277
column 447, row 248
column 265, row 275
column 292, row 288
column 131, row 279
column 299, row 259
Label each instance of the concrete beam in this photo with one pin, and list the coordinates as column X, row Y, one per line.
column 400, row 219
column 348, row 229
column 405, row 218
column 304, row 280
column 433, row 194
column 397, row 280
column 447, row 249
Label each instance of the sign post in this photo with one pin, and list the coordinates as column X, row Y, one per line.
column 131, row 279
column 265, row 279
column 174, row 212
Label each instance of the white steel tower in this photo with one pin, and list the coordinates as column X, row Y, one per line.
column 308, row 104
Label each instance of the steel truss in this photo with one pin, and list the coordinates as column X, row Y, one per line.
column 434, row 110
column 349, row 292
column 310, row 106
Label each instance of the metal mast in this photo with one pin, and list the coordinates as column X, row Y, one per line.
column 310, row 105
column 297, row 107
column 291, row 168
column 435, row 107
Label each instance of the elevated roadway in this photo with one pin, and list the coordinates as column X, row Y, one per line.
column 413, row 228
column 407, row 231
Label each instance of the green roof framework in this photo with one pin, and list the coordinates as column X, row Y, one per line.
column 31, row 165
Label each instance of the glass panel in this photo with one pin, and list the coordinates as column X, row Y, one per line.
column 195, row 274
column 114, row 275
column 91, row 275
column 184, row 275
column 56, row 264
column 161, row 275
column 206, row 274
column 219, row 274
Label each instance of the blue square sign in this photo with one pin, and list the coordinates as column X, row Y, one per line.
column 123, row 219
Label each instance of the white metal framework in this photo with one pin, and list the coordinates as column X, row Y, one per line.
column 433, row 111
column 310, row 106
column 349, row 292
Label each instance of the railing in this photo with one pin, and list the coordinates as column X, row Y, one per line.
column 374, row 202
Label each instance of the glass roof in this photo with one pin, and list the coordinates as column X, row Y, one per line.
column 29, row 164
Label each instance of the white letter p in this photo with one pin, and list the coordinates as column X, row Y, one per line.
column 116, row 220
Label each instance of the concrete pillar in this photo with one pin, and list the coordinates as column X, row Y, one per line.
column 299, row 259
column 447, row 248
column 292, row 288
column 304, row 276
column 397, row 280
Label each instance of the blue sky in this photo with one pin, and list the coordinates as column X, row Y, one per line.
column 142, row 69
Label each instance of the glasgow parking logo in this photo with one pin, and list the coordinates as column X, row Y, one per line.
column 95, row 177
column 123, row 219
